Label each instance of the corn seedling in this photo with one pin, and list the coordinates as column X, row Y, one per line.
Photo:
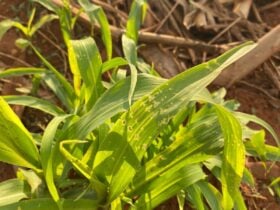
column 133, row 142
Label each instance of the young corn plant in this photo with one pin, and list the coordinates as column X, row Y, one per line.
column 132, row 142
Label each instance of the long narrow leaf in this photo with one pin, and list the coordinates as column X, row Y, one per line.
column 129, row 41
column 47, row 4
column 195, row 196
column 12, row 191
column 89, row 64
column 5, row 25
column 47, row 155
column 211, row 195
column 35, row 103
column 41, row 22
column 111, row 103
column 113, row 63
column 96, row 13
column 130, row 53
column 272, row 153
column 16, row 143
column 48, row 203
column 233, row 157
column 21, row 71
column 83, row 168
column 60, row 85
column 136, row 16
column 252, row 118
column 80, row 165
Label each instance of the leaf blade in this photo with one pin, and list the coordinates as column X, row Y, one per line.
column 17, row 144
column 96, row 13
column 35, row 103
column 22, row 71
column 89, row 64
column 47, row 155
column 12, row 191
column 111, row 103
column 233, row 157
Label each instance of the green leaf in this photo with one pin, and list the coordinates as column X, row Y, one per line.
column 118, row 75
column 211, row 195
column 80, row 165
column 47, row 4
column 252, row 118
column 117, row 204
column 16, row 143
column 194, row 144
column 195, row 196
column 130, row 53
column 30, row 20
column 66, row 20
column 48, row 153
column 48, row 203
column 33, row 179
column 35, row 103
column 129, row 50
column 5, row 25
column 113, row 63
column 168, row 185
column 112, row 102
column 272, row 153
column 12, row 191
column 83, row 168
column 96, row 13
column 248, row 177
column 181, row 199
column 58, row 83
column 89, row 63
column 41, row 22
column 258, row 142
column 22, row 43
column 239, row 202
column 233, row 157
column 21, row 71
column 129, row 41
column 135, row 18
column 74, row 67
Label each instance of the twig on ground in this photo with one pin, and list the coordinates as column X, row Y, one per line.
column 242, row 8
column 167, row 16
column 15, row 59
column 270, row 6
column 108, row 7
column 63, row 52
column 148, row 37
column 224, row 30
column 169, row 7
column 272, row 72
column 153, row 14
column 256, row 13
column 178, row 41
column 275, row 102
column 11, row 82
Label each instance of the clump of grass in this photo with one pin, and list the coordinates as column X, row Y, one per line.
column 134, row 141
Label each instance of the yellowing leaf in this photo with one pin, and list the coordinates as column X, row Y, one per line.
column 16, row 143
